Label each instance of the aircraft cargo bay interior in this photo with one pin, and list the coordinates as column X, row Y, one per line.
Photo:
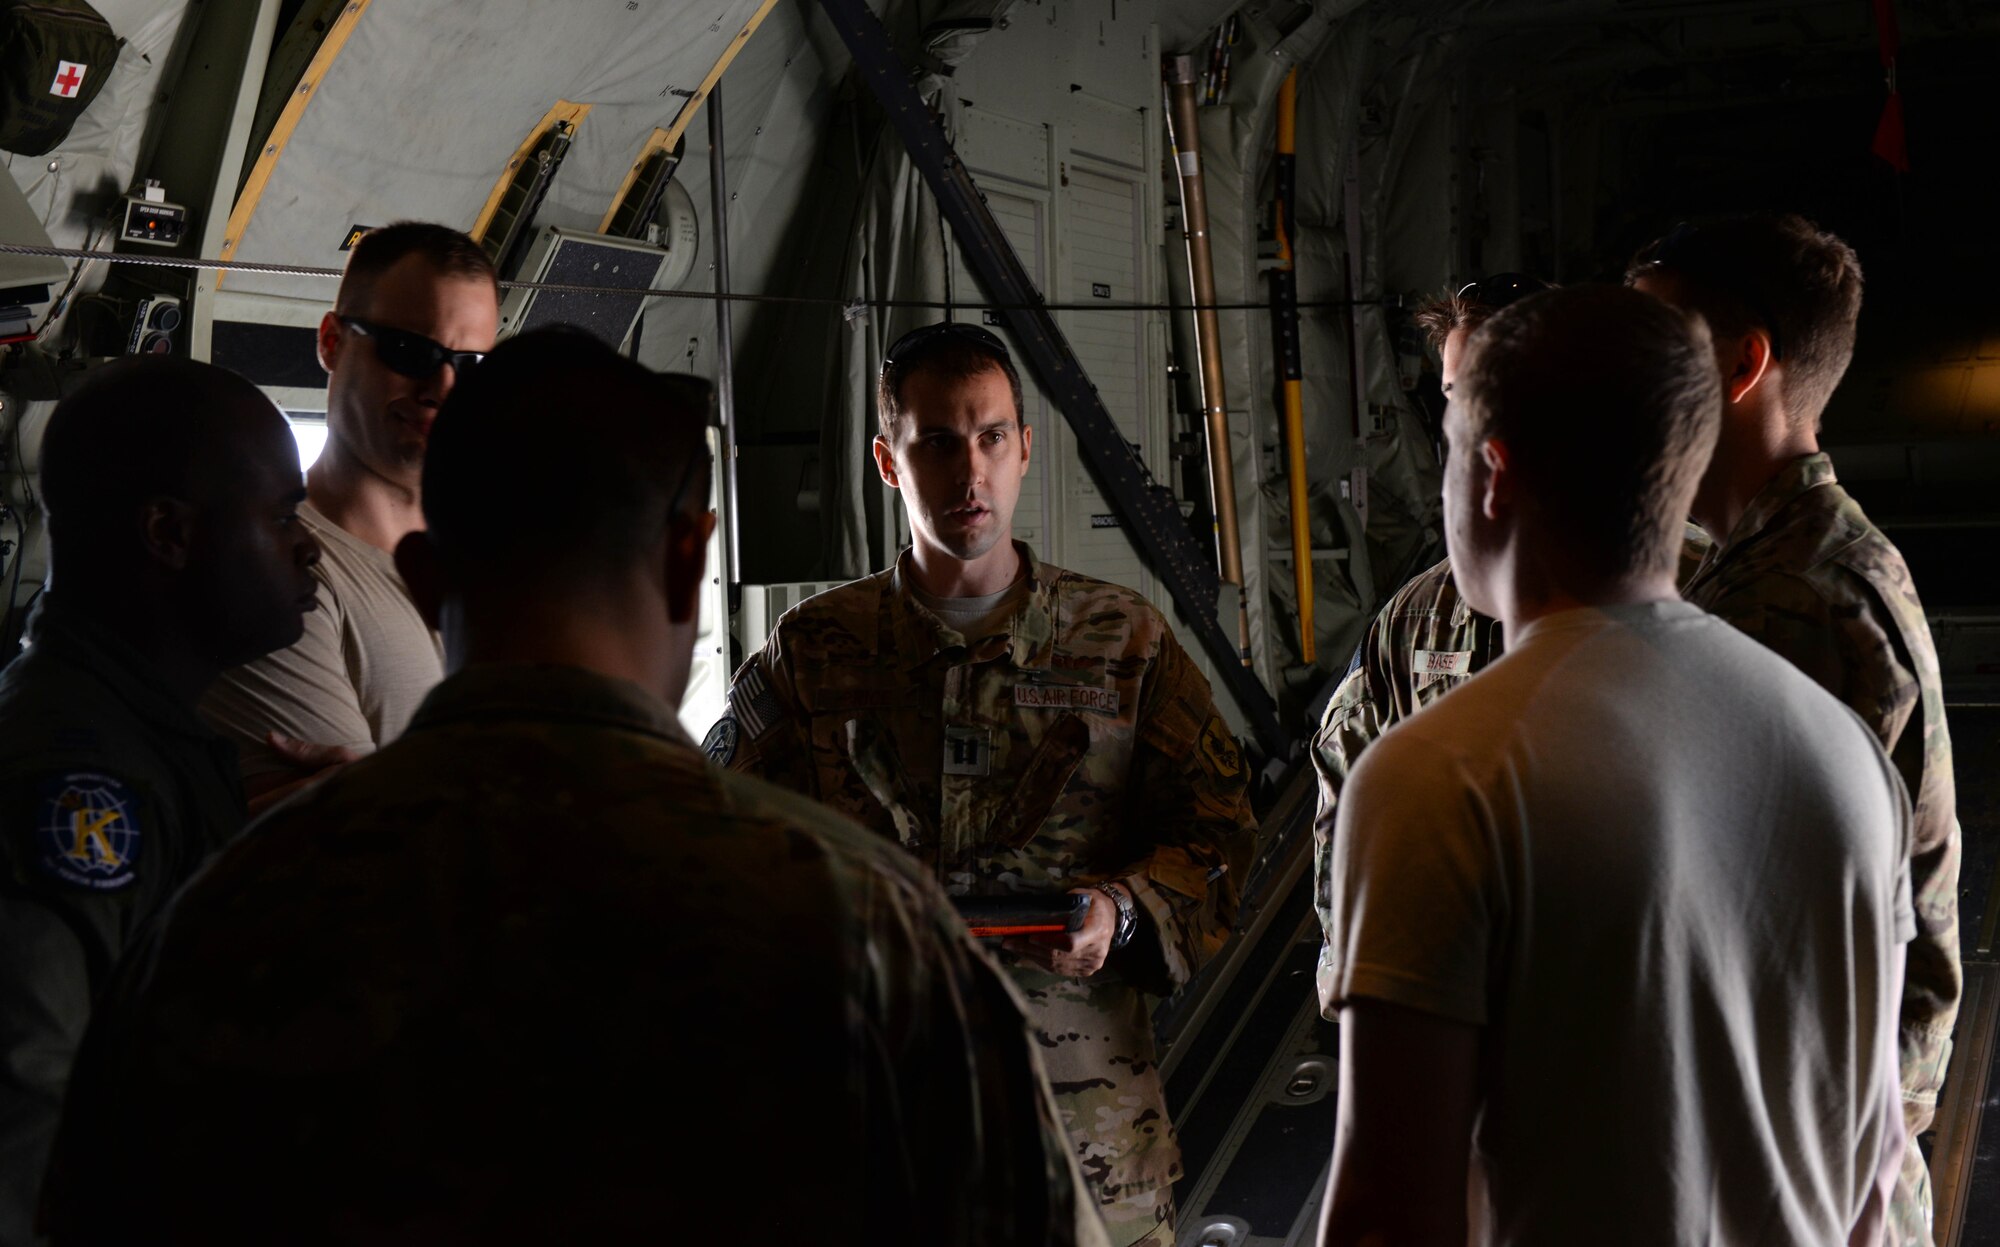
column 999, row 621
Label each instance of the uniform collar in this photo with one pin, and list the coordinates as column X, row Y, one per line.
column 916, row 636
column 1800, row 476
column 548, row 692
column 73, row 637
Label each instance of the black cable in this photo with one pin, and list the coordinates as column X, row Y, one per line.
column 21, row 465
column 1094, row 305
column 34, row 502
column 69, row 287
column 14, row 592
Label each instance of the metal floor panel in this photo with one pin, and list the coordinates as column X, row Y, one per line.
column 1248, row 1061
column 1965, row 1147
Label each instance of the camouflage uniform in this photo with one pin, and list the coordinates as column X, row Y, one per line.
column 1082, row 745
column 112, row 793
column 537, row 973
column 1424, row 643
column 1808, row 575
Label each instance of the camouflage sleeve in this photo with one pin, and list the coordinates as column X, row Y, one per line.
column 763, row 732
column 984, row 1158
column 1843, row 646
column 1353, row 720
column 1850, row 646
column 1189, row 802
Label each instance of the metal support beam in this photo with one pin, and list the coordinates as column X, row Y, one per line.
column 1148, row 512
column 725, row 335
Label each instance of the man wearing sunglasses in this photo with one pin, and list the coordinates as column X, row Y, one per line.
column 1020, row 729
column 417, row 307
column 1801, row 569
column 536, row 972
column 1426, row 640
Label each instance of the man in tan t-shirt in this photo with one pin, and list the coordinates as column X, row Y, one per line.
column 418, row 304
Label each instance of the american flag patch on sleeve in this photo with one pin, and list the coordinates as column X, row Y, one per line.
column 753, row 702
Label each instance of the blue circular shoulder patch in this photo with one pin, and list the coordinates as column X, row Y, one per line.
column 720, row 743
column 87, row 830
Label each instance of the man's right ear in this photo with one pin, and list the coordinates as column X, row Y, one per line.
column 1750, row 368
column 328, row 342
column 885, row 462
column 417, row 562
column 166, row 529
column 1497, row 490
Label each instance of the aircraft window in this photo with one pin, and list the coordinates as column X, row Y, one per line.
column 309, row 427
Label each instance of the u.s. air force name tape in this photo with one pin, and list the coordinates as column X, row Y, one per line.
column 1067, row 697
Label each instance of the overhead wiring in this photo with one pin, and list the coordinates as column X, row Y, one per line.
column 61, row 301
column 846, row 305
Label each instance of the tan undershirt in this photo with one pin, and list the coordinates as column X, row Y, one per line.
column 973, row 618
column 357, row 675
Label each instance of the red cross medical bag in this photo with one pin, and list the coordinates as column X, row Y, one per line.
column 54, row 57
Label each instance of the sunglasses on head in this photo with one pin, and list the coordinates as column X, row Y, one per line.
column 976, row 335
column 411, row 354
column 1499, row 290
column 698, row 394
column 1680, row 251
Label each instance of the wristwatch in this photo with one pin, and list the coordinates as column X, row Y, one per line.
column 1128, row 917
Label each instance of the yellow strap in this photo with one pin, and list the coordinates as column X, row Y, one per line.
column 657, row 141
column 563, row 110
column 661, row 140
column 288, row 121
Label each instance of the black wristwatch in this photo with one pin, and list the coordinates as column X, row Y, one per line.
column 1128, row 917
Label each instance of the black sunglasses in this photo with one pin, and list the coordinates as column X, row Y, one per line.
column 976, row 335
column 411, row 354
column 1681, row 251
column 699, row 394
column 1499, row 290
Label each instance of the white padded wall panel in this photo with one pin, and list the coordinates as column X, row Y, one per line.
column 1010, row 160
column 1103, row 228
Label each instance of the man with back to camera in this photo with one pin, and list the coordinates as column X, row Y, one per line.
column 1019, row 729
column 175, row 551
column 1642, row 883
column 535, row 972
column 1425, row 641
column 417, row 306
column 1801, row 569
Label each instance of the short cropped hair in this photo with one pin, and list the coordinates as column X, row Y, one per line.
column 452, row 253
column 1608, row 403
column 954, row 356
column 1439, row 317
column 559, row 461
column 146, row 427
column 1778, row 272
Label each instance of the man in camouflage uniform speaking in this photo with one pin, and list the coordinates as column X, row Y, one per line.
column 1800, row 568
column 1425, row 641
column 1019, row 729
column 535, row 972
